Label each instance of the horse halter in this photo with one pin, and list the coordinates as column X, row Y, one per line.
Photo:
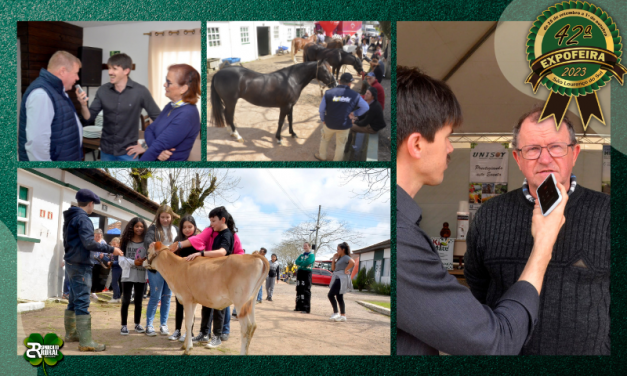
column 319, row 82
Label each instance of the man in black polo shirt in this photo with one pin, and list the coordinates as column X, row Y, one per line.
column 434, row 311
column 122, row 101
column 336, row 106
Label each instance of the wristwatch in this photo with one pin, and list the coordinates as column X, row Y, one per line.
column 202, row 253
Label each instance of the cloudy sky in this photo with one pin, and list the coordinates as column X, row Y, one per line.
column 268, row 202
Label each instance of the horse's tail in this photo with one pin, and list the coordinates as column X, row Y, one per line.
column 293, row 50
column 217, row 109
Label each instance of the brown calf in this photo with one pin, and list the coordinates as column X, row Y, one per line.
column 214, row 283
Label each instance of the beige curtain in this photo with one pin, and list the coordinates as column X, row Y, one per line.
column 167, row 48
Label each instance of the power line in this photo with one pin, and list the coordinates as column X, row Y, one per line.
column 287, row 194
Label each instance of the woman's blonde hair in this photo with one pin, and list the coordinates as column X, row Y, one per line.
column 160, row 235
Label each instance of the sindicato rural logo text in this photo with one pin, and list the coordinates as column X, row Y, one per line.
column 43, row 350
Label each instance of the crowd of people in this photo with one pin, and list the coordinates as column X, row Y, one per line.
column 50, row 128
column 343, row 111
column 87, row 255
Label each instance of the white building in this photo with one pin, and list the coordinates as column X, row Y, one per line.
column 250, row 40
column 43, row 195
column 377, row 256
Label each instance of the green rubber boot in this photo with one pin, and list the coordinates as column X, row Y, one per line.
column 83, row 327
column 70, row 326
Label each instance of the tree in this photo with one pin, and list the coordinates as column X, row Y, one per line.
column 288, row 251
column 186, row 190
column 330, row 234
column 377, row 179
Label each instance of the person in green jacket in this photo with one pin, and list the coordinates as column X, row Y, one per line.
column 303, row 279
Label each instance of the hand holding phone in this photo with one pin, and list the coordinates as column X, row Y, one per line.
column 548, row 195
column 81, row 95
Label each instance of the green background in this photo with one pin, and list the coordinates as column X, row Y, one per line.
column 187, row 10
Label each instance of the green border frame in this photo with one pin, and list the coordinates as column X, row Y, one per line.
column 186, row 10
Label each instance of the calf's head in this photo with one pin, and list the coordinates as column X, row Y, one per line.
column 154, row 251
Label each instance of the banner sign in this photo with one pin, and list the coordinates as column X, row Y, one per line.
column 488, row 174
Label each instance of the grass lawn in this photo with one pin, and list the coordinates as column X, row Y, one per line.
column 382, row 304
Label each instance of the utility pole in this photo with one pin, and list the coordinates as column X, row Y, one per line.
column 317, row 228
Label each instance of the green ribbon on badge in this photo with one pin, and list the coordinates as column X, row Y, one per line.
column 574, row 49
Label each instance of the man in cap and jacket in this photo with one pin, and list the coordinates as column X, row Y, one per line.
column 78, row 242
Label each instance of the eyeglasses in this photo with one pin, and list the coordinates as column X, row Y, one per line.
column 556, row 150
column 167, row 82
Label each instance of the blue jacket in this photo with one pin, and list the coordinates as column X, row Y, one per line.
column 337, row 104
column 174, row 128
column 65, row 141
column 78, row 237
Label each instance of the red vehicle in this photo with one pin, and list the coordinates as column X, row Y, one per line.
column 320, row 276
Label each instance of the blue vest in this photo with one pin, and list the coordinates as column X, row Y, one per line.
column 65, row 142
column 340, row 102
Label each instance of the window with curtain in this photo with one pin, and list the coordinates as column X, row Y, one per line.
column 172, row 47
column 213, row 37
column 243, row 31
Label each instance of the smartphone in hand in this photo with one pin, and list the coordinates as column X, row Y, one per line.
column 548, row 195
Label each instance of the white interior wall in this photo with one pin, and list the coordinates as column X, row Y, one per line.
column 440, row 203
column 129, row 39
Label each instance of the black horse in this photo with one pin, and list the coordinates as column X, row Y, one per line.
column 277, row 89
column 335, row 57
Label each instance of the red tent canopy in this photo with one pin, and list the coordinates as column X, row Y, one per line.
column 328, row 26
column 348, row 27
column 340, row 27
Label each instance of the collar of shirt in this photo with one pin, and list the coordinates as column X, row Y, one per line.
column 529, row 197
column 407, row 206
column 178, row 104
column 129, row 83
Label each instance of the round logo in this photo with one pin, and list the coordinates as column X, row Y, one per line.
column 573, row 49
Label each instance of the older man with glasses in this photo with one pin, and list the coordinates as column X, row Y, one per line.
column 574, row 317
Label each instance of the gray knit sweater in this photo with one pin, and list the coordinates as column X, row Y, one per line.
column 574, row 316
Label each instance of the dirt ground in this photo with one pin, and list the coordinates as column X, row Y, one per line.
column 258, row 125
column 280, row 330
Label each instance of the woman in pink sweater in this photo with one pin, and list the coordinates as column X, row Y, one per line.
column 204, row 241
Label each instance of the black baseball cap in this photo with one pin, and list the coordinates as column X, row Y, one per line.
column 85, row 195
column 346, row 77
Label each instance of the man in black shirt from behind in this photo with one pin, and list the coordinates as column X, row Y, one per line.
column 434, row 311
column 224, row 225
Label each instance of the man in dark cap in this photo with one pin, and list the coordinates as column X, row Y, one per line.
column 373, row 120
column 336, row 106
column 78, row 242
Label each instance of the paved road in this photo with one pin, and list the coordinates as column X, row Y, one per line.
column 280, row 331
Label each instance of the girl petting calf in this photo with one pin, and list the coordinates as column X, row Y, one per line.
column 222, row 239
